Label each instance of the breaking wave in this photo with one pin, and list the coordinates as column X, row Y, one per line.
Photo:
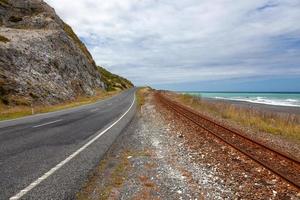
column 265, row 100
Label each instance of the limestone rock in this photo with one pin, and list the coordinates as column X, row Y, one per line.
column 41, row 59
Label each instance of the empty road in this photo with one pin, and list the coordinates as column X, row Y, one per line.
column 49, row 156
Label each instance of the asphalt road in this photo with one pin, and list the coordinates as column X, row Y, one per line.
column 49, row 156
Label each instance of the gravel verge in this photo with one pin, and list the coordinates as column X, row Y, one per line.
column 162, row 156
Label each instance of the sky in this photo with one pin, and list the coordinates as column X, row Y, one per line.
column 204, row 45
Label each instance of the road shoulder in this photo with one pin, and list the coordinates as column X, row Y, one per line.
column 161, row 156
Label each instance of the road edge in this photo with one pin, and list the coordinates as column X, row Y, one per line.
column 116, row 127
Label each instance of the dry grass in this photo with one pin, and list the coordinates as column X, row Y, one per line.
column 141, row 94
column 12, row 112
column 146, row 181
column 113, row 171
column 140, row 97
column 287, row 125
column 116, row 176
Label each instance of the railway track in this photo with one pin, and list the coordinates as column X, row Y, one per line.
column 280, row 164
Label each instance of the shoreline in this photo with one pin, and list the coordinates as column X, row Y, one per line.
column 252, row 105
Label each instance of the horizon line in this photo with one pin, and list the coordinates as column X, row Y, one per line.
column 236, row 91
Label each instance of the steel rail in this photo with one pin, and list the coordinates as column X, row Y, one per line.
column 279, row 158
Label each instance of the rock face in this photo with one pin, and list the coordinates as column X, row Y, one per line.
column 41, row 59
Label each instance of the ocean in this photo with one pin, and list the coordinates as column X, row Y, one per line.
column 278, row 99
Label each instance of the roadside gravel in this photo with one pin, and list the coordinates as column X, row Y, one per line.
column 162, row 156
column 145, row 162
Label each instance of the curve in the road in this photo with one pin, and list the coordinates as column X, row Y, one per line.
column 31, row 146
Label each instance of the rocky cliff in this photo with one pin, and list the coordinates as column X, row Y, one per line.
column 41, row 59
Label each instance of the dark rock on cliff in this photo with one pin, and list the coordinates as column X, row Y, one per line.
column 41, row 59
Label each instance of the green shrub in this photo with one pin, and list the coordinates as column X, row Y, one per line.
column 15, row 19
column 113, row 81
column 4, row 2
column 3, row 39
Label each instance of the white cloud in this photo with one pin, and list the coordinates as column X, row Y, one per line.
column 156, row 41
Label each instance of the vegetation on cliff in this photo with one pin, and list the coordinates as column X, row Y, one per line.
column 4, row 2
column 78, row 42
column 112, row 81
column 3, row 39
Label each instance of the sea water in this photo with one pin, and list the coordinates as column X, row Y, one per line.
column 278, row 99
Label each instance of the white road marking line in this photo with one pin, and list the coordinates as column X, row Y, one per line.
column 48, row 123
column 94, row 110
column 62, row 163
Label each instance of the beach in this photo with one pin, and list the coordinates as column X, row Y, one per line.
column 259, row 106
column 279, row 102
column 274, row 125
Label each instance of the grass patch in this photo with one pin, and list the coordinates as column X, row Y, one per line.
column 117, row 177
column 4, row 39
column 112, row 172
column 287, row 125
column 112, row 81
column 119, row 173
column 12, row 112
column 146, row 181
column 4, row 2
column 140, row 97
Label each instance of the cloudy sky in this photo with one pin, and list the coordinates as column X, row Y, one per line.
column 192, row 44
